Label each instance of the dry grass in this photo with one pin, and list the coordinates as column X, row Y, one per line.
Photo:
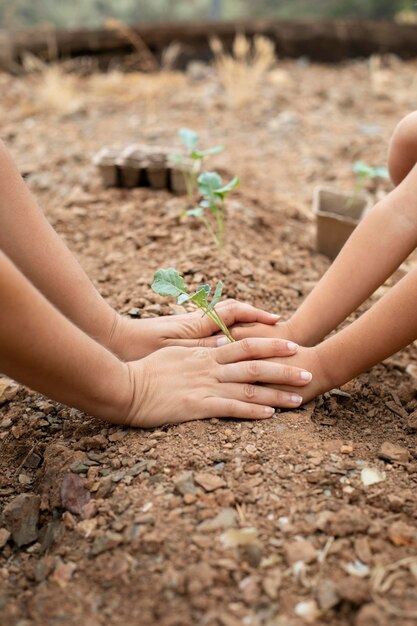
column 242, row 72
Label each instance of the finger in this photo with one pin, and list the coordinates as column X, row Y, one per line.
column 266, row 396
column 252, row 330
column 222, row 407
column 232, row 311
column 264, row 372
column 288, row 348
column 249, row 349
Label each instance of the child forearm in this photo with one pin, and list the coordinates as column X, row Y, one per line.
column 376, row 248
column 42, row 349
column 388, row 326
column 35, row 248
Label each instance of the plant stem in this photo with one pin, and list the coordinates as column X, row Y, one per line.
column 215, row 317
column 211, row 231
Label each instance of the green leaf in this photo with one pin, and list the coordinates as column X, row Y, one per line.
column 230, row 185
column 216, row 296
column 381, row 172
column 197, row 212
column 200, row 296
column 168, row 282
column 189, row 138
column 184, row 297
column 201, row 154
column 209, row 183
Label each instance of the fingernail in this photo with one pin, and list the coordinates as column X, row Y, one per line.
column 268, row 410
column 307, row 376
column 221, row 341
column 276, row 316
column 296, row 399
column 292, row 346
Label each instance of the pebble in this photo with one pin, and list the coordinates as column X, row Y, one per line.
column 371, row 615
column 107, row 541
column 4, row 537
column 272, row 582
column 74, row 495
column 353, row 590
column 393, row 453
column 348, row 520
column 209, row 482
column 299, row 550
column 21, row 516
column 307, row 610
column 401, row 534
column 226, row 518
column 184, row 484
column 327, row 595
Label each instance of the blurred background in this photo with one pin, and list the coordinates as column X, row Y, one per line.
column 16, row 14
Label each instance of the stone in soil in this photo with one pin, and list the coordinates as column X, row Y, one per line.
column 393, row 453
column 184, row 483
column 21, row 517
column 348, row 520
column 74, row 495
column 226, row 518
column 4, row 537
column 299, row 550
column 327, row 595
column 209, row 482
column 401, row 534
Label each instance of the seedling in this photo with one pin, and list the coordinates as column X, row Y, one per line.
column 168, row 282
column 364, row 173
column 214, row 193
column 191, row 163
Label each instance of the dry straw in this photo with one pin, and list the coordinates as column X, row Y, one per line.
column 243, row 71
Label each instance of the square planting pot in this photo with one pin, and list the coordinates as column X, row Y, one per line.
column 337, row 215
column 105, row 160
column 132, row 163
column 157, row 171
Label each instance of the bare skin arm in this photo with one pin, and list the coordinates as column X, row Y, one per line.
column 388, row 326
column 36, row 249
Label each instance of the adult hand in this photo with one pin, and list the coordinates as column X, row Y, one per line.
column 180, row 384
column 134, row 339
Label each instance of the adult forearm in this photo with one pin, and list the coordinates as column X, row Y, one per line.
column 388, row 326
column 36, row 249
column 42, row 349
column 376, row 248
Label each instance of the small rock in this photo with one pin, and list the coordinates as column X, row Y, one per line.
column 32, row 460
column 307, row 610
column 348, row 520
column 372, row 476
column 371, row 615
column 63, row 572
column 412, row 421
column 107, row 541
column 21, row 518
column 97, row 442
column 299, row 550
column 199, row 577
column 251, row 554
column 8, row 389
column 353, row 590
column 184, row 483
column 209, row 482
column 393, row 453
column 327, row 595
column 346, row 449
column 272, row 583
column 250, row 589
column 74, row 495
column 4, row 537
column 227, row 518
column 401, row 534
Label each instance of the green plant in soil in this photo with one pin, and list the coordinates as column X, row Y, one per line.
column 364, row 172
column 192, row 162
column 211, row 208
column 168, row 282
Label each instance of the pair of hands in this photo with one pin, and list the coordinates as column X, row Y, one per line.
column 185, row 372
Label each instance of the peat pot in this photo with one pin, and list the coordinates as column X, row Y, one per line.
column 337, row 215
column 105, row 160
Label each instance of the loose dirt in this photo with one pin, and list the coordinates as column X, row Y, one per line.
column 112, row 526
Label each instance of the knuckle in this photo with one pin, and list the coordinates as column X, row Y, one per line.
column 246, row 345
column 203, row 353
column 231, row 408
column 249, row 391
column 253, row 368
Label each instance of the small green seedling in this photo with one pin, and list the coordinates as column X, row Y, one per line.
column 191, row 163
column 214, row 193
column 168, row 282
column 364, row 173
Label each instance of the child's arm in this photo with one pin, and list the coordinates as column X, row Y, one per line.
column 31, row 243
column 388, row 326
column 44, row 350
column 375, row 249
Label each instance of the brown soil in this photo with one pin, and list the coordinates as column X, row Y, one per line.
column 151, row 545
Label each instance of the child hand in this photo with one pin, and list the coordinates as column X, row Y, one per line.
column 311, row 360
column 134, row 339
column 281, row 330
column 179, row 384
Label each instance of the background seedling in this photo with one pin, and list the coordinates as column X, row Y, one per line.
column 191, row 163
column 168, row 282
column 214, row 193
column 365, row 172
